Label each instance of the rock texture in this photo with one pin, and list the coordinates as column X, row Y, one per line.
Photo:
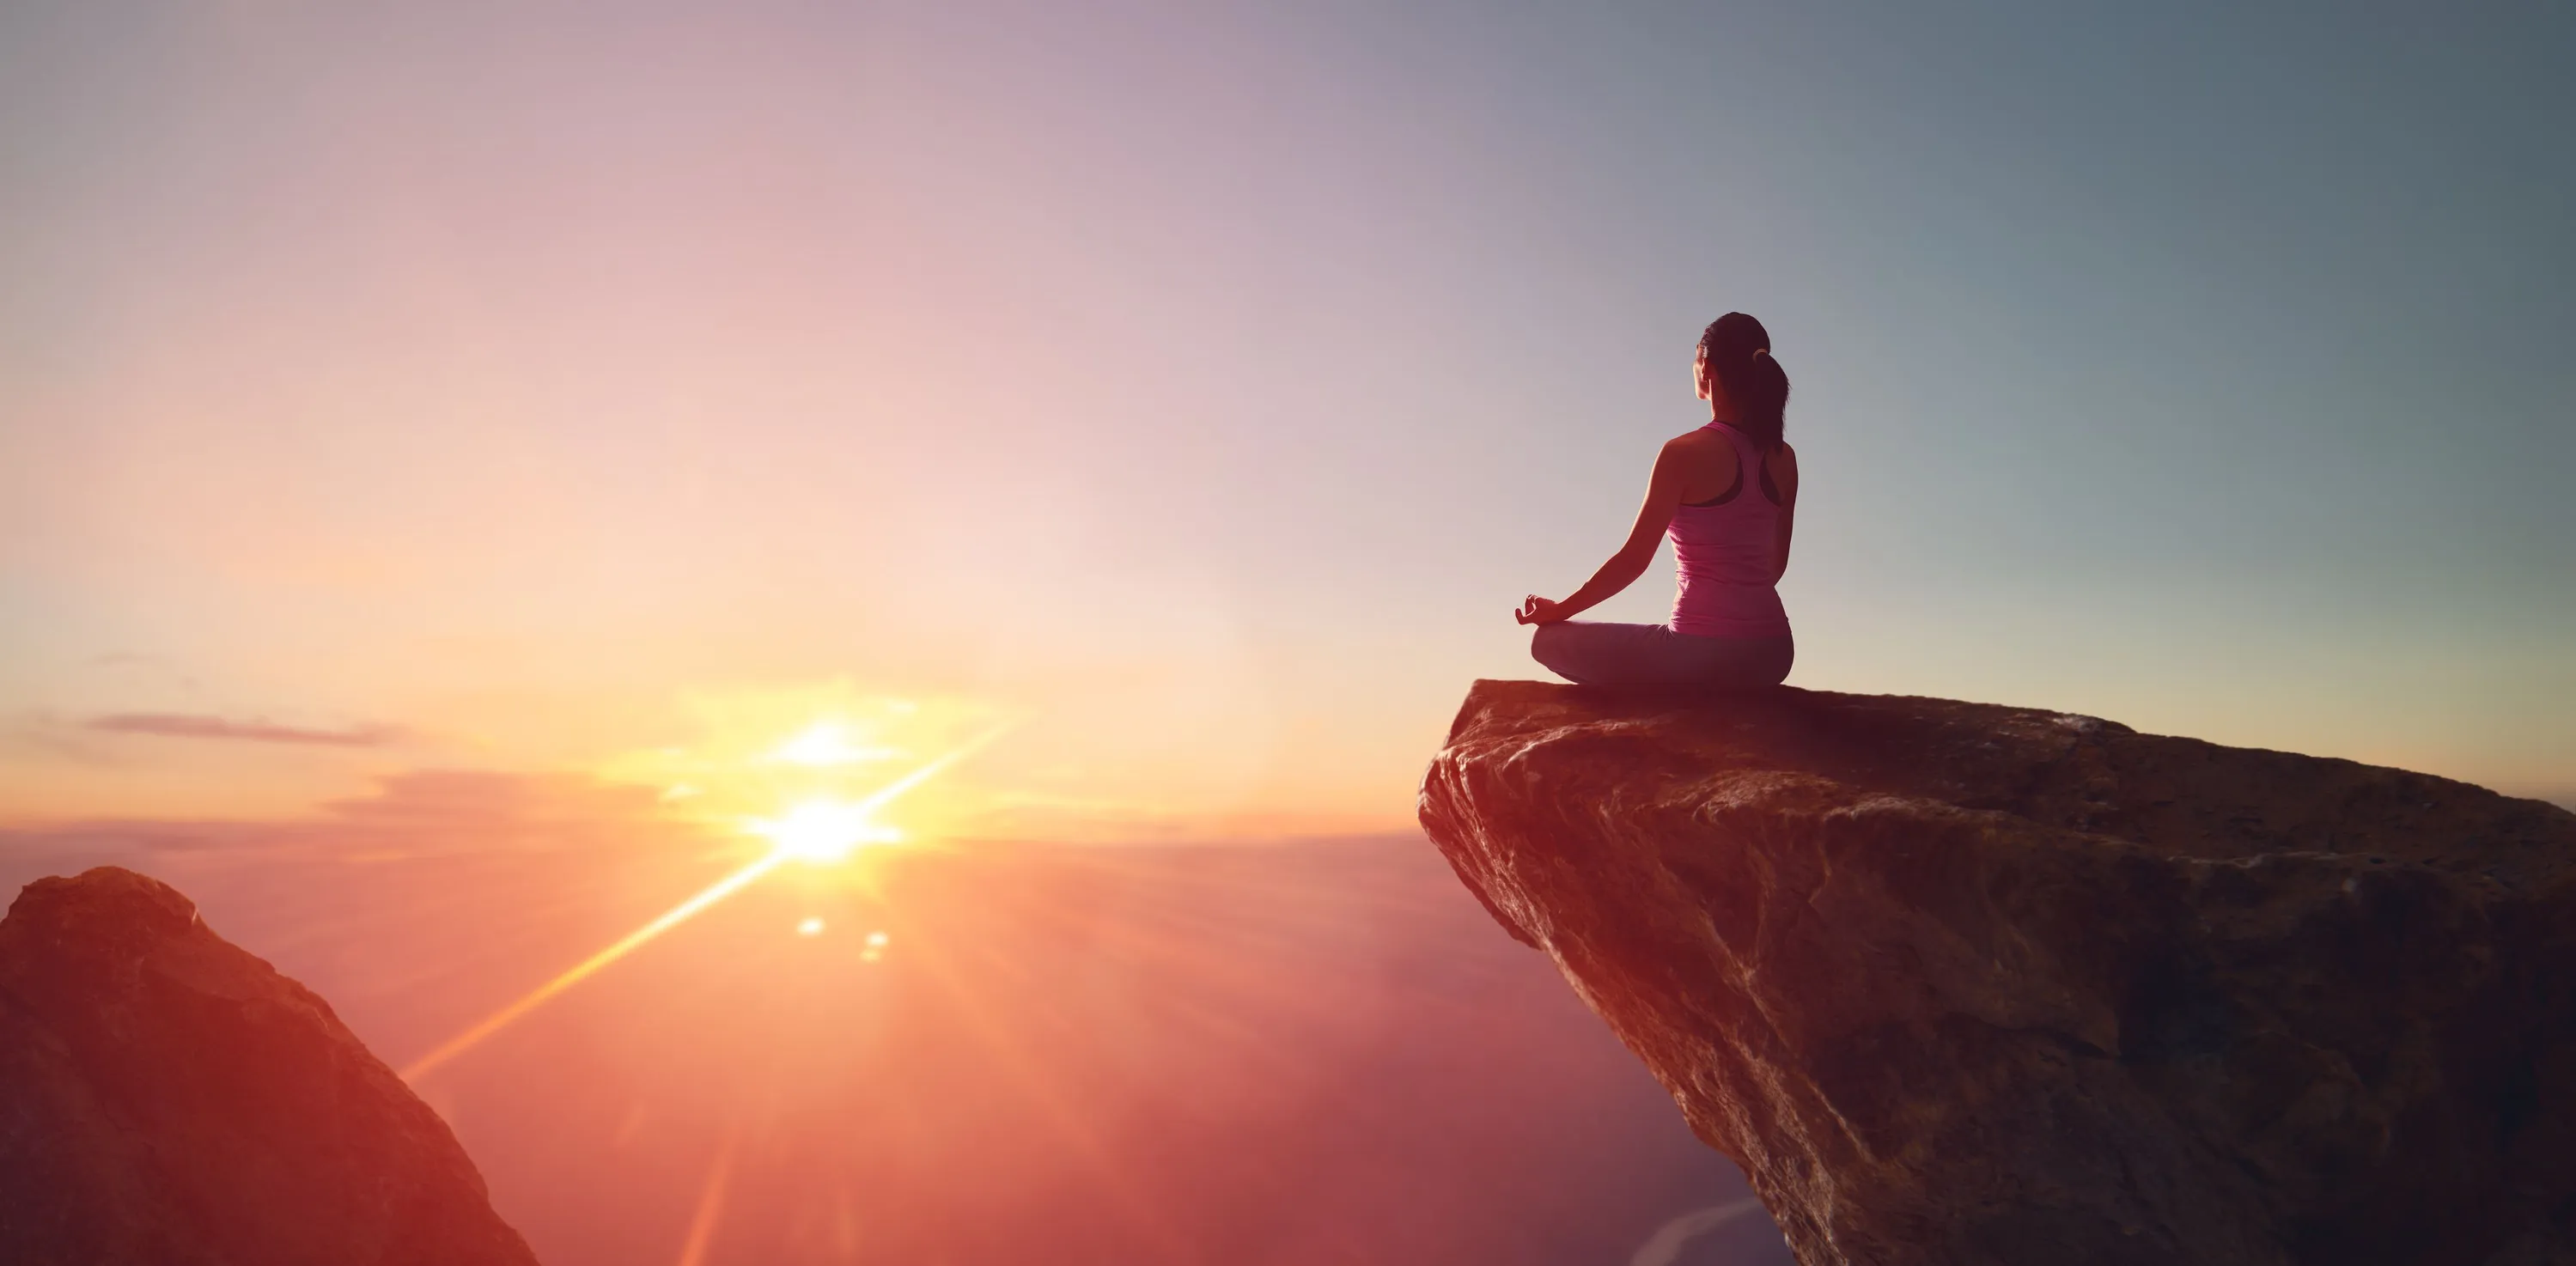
column 168, row 1099
column 1957, row 983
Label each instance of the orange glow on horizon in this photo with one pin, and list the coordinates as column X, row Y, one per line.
column 827, row 742
column 815, row 832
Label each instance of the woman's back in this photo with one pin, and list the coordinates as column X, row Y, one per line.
column 1726, row 552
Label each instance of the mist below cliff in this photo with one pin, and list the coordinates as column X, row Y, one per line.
column 1277, row 1054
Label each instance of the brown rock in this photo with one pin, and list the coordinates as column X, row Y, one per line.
column 166, row 1098
column 1957, row 983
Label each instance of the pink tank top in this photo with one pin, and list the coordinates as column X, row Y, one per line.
column 1723, row 552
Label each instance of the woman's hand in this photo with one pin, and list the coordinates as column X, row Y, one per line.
column 1663, row 496
column 1538, row 610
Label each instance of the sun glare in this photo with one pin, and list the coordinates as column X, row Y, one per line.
column 761, row 757
column 827, row 742
column 823, row 831
column 817, row 828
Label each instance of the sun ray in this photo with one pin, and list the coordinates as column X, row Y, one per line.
column 783, row 851
column 888, row 794
column 671, row 918
column 1029, row 1071
column 711, row 1202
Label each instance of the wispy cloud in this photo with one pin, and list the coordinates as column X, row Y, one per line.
column 186, row 725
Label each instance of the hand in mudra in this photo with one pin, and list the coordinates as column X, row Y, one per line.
column 1538, row 610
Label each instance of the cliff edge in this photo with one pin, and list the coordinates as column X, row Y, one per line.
column 1958, row 983
column 168, row 1099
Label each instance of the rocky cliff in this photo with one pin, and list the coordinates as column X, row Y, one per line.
column 167, row 1099
column 1957, row 983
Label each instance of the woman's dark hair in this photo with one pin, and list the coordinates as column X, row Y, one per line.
column 1738, row 351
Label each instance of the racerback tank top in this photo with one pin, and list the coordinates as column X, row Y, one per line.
column 1722, row 554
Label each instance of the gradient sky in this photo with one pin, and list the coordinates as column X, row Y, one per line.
column 491, row 386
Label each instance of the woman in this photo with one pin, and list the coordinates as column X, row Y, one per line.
column 1726, row 492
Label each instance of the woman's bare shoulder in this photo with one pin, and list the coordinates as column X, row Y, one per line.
column 1696, row 450
column 1701, row 440
column 1698, row 463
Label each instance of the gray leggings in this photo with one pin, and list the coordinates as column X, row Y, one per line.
column 1652, row 654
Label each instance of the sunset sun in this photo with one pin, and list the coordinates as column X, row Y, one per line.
column 822, row 831
column 818, row 827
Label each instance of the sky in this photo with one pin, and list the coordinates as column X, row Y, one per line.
column 1188, row 393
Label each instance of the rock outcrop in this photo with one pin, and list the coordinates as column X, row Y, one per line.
column 1957, row 983
column 167, row 1099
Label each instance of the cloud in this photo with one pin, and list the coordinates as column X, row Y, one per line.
column 417, row 813
column 183, row 725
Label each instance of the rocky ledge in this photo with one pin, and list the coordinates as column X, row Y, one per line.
column 167, row 1099
column 1957, row 983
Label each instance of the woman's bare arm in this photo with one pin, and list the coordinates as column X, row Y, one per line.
column 1663, row 496
column 1788, row 511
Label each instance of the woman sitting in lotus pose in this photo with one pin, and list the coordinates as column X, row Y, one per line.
column 1725, row 492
